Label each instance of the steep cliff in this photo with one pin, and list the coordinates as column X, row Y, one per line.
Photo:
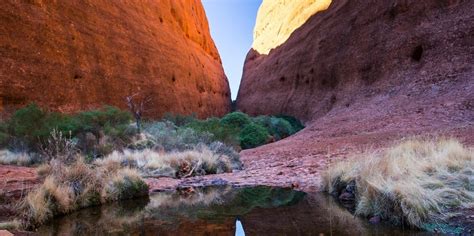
column 277, row 19
column 366, row 60
column 75, row 55
column 362, row 74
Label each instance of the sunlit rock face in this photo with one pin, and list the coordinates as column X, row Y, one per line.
column 75, row 55
column 367, row 59
column 277, row 19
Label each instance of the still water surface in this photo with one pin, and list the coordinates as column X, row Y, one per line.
column 220, row 211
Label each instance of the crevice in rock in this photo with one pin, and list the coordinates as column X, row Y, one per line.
column 417, row 53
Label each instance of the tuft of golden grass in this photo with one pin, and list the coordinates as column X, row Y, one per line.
column 71, row 187
column 414, row 182
column 10, row 225
column 43, row 170
column 12, row 158
column 175, row 164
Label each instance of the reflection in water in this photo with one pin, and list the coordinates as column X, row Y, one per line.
column 218, row 211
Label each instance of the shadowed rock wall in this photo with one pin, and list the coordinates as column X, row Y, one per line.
column 391, row 55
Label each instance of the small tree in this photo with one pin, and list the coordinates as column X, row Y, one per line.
column 137, row 104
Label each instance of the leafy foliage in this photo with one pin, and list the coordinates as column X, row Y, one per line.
column 277, row 127
column 180, row 120
column 225, row 133
column 29, row 129
column 295, row 123
column 236, row 119
column 229, row 129
column 97, row 133
column 108, row 118
column 253, row 135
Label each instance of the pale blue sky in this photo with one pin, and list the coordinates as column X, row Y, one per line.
column 232, row 23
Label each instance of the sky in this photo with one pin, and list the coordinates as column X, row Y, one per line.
column 232, row 23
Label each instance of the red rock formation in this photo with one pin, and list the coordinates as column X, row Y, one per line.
column 76, row 55
column 371, row 62
column 363, row 74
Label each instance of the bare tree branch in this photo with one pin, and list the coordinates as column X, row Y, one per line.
column 137, row 105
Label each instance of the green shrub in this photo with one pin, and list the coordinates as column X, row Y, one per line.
column 4, row 136
column 253, row 135
column 168, row 137
column 281, row 128
column 236, row 119
column 63, row 123
column 95, row 120
column 27, row 121
column 277, row 127
column 221, row 132
column 30, row 127
column 295, row 123
column 178, row 119
column 109, row 121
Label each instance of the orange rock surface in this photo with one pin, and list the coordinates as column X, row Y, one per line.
column 277, row 19
column 76, row 55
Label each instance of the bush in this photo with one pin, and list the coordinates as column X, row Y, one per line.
column 236, row 119
column 126, row 184
column 168, row 137
column 277, row 127
column 27, row 123
column 416, row 182
column 196, row 162
column 33, row 124
column 59, row 146
column 4, row 136
column 108, row 117
column 99, row 132
column 29, row 128
column 295, row 123
column 69, row 188
column 221, row 149
column 179, row 120
column 253, row 135
column 20, row 159
column 221, row 132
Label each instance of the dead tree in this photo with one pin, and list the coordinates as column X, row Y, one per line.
column 137, row 104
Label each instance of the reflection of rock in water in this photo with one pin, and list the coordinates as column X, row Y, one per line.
column 217, row 211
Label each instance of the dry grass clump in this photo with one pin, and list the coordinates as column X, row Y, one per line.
column 12, row 158
column 43, row 170
column 201, row 161
column 414, row 182
column 10, row 225
column 71, row 187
